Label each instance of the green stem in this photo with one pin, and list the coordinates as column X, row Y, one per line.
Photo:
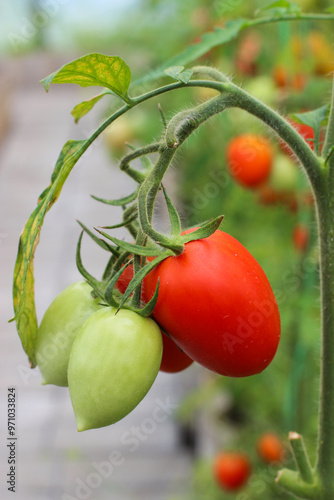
column 301, row 457
column 325, row 453
column 329, row 139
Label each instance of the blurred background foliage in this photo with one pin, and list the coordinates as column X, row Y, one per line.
column 288, row 65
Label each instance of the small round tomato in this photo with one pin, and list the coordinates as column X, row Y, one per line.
column 249, row 159
column 58, row 329
column 270, row 448
column 114, row 361
column 300, row 237
column 231, row 470
column 284, row 174
column 216, row 303
column 173, row 358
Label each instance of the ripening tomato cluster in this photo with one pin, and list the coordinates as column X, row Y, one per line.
column 253, row 162
column 215, row 306
column 232, row 469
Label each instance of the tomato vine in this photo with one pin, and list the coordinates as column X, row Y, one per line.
column 112, row 73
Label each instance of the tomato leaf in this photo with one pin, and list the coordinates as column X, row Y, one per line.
column 209, row 40
column 84, row 107
column 94, row 70
column 179, row 73
column 173, row 215
column 281, row 7
column 23, row 279
column 314, row 119
column 120, row 202
column 203, row 231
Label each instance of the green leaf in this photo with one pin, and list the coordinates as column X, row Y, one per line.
column 281, row 7
column 84, row 107
column 329, row 10
column 23, row 279
column 120, row 202
column 94, row 69
column 314, row 119
column 130, row 247
column 204, row 231
column 173, row 215
column 209, row 40
column 179, row 74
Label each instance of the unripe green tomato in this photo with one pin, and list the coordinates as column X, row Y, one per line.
column 114, row 361
column 58, row 329
column 284, row 174
column 262, row 87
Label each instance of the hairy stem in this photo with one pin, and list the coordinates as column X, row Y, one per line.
column 325, row 454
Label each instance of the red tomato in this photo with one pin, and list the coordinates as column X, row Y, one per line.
column 270, row 448
column 216, row 303
column 173, row 358
column 231, row 470
column 300, row 237
column 249, row 159
column 305, row 131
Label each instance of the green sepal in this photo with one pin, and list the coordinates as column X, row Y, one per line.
column 173, row 215
column 130, row 247
column 203, row 231
column 109, row 291
column 103, row 244
column 123, row 223
column 114, row 265
column 120, row 202
column 148, row 309
column 140, row 275
column 94, row 283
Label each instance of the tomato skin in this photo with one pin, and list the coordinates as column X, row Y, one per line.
column 231, row 470
column 58, row 329
column 270, row 448
column 249, row 159
column 173, row 358
column 114, row 361
column 216, row 303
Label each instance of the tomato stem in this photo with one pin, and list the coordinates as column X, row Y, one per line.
column 301, row 457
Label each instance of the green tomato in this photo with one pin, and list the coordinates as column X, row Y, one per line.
column 114, row 361
column 284, row 174
column 59, row 326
